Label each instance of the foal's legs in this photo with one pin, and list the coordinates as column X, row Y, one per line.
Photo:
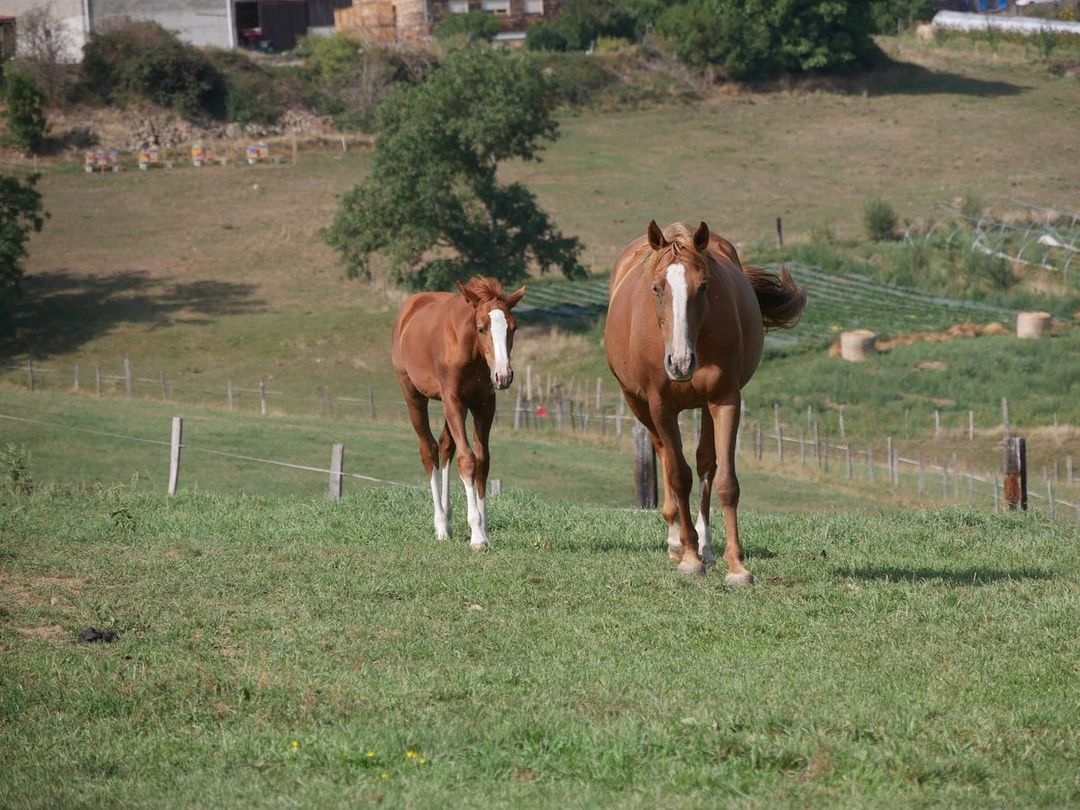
column 678, row 480
column 725, row 415
column 483, row 417
column 446, row 455
column 417, row 404
column 706, row 469
column 455, row 419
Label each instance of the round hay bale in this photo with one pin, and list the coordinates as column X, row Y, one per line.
column 1033, row 324
column 858, row 344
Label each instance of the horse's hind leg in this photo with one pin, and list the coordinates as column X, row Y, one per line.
column 446, row 455
column 417, row 404
column 726, row 418
column 706, row 469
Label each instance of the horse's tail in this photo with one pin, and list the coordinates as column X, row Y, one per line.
column 781, row 300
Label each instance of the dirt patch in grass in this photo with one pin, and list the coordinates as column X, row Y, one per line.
column 50, row 633
column 36, row 592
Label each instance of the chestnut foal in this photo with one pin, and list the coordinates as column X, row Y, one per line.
column 456, row 348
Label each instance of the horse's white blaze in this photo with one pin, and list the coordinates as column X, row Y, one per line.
column 680, row 337
column 498, row 340
column 478, row 538
column 442, row 522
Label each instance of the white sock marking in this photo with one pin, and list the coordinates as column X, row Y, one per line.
column 680, row 338
column 479, row 537
column 704, row 533
column 447, row 508
column 442, row 523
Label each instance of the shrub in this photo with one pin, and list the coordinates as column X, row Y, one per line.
column 879, row 220
column 253, row 93
column 27, row 126
column 43, row 45
column 15, row 463
column 143, row 60
column 885, row 14
column 472, row 27
column 753, row 39
column 581, row 22
column 544, row 37
column 349, row 81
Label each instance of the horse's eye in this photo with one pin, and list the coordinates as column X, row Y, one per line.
column 480, row 328
column 657, row 289
column 703, row 285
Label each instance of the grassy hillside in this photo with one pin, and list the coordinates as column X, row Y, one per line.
column 284, row 651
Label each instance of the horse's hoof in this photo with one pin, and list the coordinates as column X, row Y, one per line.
column 743, row 580
column 690, row 569
column 483, row 545
column 707, row 556
column 442, row 534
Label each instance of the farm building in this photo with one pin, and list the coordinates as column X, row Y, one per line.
column 219, row 23
column 402, row 20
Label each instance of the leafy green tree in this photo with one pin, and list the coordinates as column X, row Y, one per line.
column 753, row 39
column 886, row 13
column 432, row 204
column 26, row 122
column 21, row 212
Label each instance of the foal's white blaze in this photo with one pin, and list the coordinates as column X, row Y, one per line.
column 680, row 337
column 479, row 538
column 442, row 521
column 498, row 340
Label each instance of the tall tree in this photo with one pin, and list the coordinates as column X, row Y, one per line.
column 21, row 212
column 432, row 205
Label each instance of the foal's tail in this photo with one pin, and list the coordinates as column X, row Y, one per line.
column 781, row 300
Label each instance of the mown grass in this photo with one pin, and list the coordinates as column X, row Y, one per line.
column 548, row 465
column 290, row 651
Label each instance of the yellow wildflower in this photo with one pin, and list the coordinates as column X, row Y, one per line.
column 384, row 775
column 410, row 755
column 371, row 755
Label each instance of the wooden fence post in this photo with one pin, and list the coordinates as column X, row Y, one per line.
column 97, row 380
column 371, row 402
column 517, row 409
column 758, row 442
column 599, row 391
column 1016, row 494
column 843, row 433
column 228, row 394
column 937, row 423
column 76, row 376
column 161, row 379
column 779, row 231
column 645, row 496
column 337, row 456
column 127, row 377
column 971, row 426
column 262, row 397
column 29, row 373
column 174, row 453
column 1005, row 416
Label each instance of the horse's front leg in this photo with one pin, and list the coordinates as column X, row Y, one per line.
column 725, row 416
column 483, row 417
column 455, row 418
column 678, row 480
column 706, row 468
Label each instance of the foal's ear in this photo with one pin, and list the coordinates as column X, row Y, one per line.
column 513, row 298
column 701, row 238
column 656, row 236
column 467, row 294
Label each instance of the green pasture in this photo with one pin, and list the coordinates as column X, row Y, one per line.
column 547, row 465
column 283, row 651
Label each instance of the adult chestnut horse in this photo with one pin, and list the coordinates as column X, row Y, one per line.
column 456, row 348
column 685, row 329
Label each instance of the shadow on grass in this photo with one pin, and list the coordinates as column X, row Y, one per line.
column 59, row 311
column 964, row 576
column 904, row 78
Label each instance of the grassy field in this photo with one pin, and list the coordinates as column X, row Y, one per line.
column 290, row 651
column 552, row 467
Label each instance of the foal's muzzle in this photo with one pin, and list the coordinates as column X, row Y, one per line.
column 502, row 379
column 681, row 368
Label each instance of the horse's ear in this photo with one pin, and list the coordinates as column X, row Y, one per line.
column 466, row 293
column 656, row 236
column 513, row 298
column 701, row 238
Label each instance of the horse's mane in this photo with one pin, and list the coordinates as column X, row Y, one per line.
column 484, row 288
column 681, row 240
